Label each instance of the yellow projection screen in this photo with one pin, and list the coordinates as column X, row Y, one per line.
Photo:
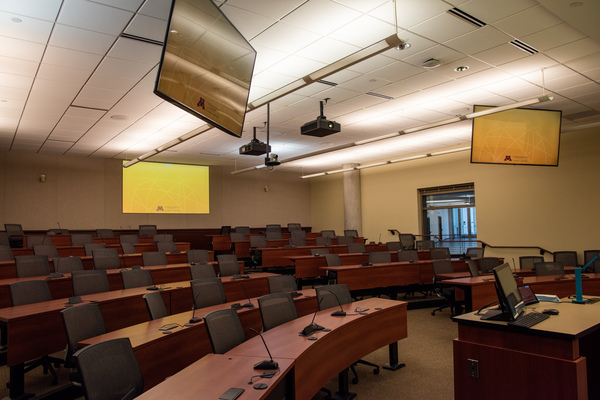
column 518, row 137
column 158, row 188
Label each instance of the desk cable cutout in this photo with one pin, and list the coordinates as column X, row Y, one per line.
column 266, row 374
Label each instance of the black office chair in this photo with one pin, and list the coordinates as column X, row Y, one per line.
column 89, row 282
column 105, row 233
column 439, row 253
column 351, row 232
column 487, row 264
column 150, row 258
column 164, row 237
column 82, row 322
column 147, row 230
column 474, row 252
column 6, row 253
column 332, row 260
column 129, row 238
column 333, row 297
column 276, row 309
column 166, row 247
column 408, row 241
column 425, row 244
column 199, row 271
column 207, row 292
column 380, row 257
column 549, row 268
column 224, row 329
column 297, row 241
column 323, row 241
column 79, row 239
column 128, row 248
column 345, row 239
column 228, row 264
column 567, row 258
column 133, row 278
column 528, row 262
column 15, row 234
column 106, row 259
column 282, row 284
column 394, row 246
column 109, row 370
column 356, row 247
column 198, row 256
column 588, row 255
column 443, row 291
column 66, row 265
column 32, row 265
column 242, row 229
column 48, row 250
column 408, row 255
column 472, row 268
column 328, row 233
column 30, row 292
column 155, row 305
column 90, row 247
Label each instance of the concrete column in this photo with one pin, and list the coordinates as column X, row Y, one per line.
column 352, row 201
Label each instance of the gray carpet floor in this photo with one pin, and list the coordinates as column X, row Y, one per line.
column 427, row 353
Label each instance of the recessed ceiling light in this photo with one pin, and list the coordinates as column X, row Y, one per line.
column 119, row 117
column 16, row 20
column 462, row 68
column 173, row 31
column 403, row 46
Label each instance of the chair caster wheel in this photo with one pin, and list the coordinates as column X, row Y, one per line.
column 376, row 371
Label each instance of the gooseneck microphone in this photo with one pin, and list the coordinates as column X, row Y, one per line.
column 266, row 364
column 312, row 327
column 340, row 312
column 195, row 319
column 237, row 306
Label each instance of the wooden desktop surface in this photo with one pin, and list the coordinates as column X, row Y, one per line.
column 162, row 355
column 559, row 358
column 351, row 337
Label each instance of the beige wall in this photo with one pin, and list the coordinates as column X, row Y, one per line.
column 556, row 208
column 85, row 193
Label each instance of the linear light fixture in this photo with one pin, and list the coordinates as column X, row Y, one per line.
column 379, row 164
column 388, row 43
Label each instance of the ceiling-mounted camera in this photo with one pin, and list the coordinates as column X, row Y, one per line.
column 271, row 161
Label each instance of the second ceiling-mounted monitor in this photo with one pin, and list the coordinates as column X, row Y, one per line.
column 206, row 66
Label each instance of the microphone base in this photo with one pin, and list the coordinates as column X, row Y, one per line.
column 248, row 305
column 193, row 320
column 310, row 329
column 266, row 364
column 338, row 313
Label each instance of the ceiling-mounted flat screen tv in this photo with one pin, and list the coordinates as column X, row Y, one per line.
column 517, row 137
column 206, row 65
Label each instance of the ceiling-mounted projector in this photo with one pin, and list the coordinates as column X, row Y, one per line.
column 321, row 126
column 255, row 147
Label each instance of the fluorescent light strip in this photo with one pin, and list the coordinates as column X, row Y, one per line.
column 379, row 164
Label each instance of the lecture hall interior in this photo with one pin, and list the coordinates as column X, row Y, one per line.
column 402, row 78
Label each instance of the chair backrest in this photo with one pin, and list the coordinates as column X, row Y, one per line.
column 106, row 259
column 198, row 256
column 48, row 250
column 129, row 239
column 282, row 284
column 276, row 309
column 298, row 233
column 407, row 240
column 33, row 241
column 136, row 278
column 6, row 253
column 567, row 258
column 245, row 230
column 29, row 292
column 351, row 232
column 318, row 252
column 109, row 370
column 441, row 267
column 528, row 262
column 237, row 236
column 408, row 255
column 333, row 260
column 163, row 237
column 588, row 255
column 225, row 229
column 439, row 253
column 273, row 234
column 487, row 264
column 82, row 322
column 32, row 265
column 330, row 296
column 154, row 258
column 147, row 230
column 425, row 244
column 105, row 233
column 549, row 268
column 155, row 305
column 323, row 241
column 128, row 248
column 79, row 239
column 58, row 231
column 380, row 257
column 356, row 247
column 328, row 233
column 202, row 270
column 228, row 264
column 394, row 246
column 224, row 329
column 166, row 247
column 474, row 252
column 258, row 242
column 292, row 226
column 65, row 265
column 89, row 247
column 207, row 292
column 89, row 282
column 345, row 239
column 297, row 241
column 4, row 239
column 472, row 267
column 13, row 229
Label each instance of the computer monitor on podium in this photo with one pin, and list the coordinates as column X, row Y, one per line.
column 509, row 296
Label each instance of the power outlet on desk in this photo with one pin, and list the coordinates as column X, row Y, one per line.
column 473, row 368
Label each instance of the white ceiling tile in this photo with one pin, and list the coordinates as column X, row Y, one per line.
column 71, row 58
column 63, row 74
column 490, row 12
column 29, row 29
column 363, row 31
column 147, row 27
column 552, row 37
column 156, row 9
column 95, row 97
column 528, row 22
column 85, row 40
column 296, row 66
column 478, row 40
column 18, row 67
column 134, row 50
column 248, row 23
column 397, row 70
column 327, row 51
column 501, row 54
column 443, row 27
column 274, row 9
column 41, row 9
column 285, row 38
column 15, row 81
column 411, row 13
column 574, row 50
column 94, row 16
column 529, row 64
column 15, row 95
column 439, row 52
column 130, row 5
column 316, row 16
column 21, row 49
